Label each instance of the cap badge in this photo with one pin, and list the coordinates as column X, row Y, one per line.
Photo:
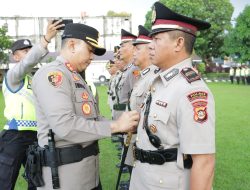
column 153, row 15
column 26, row 42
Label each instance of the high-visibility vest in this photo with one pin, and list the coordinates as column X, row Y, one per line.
column 19, row 106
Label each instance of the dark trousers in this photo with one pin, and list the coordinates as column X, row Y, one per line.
column 238, row 80
column 232, row 79
column 243, row 79
column 248, row 80
column 13, row 146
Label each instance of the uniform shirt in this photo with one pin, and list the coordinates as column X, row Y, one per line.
column 111, row 91
column 65, row 104
column 136, row 99
column 182, row 115
column 231, row 72
column 242, row 72
column 237, row 72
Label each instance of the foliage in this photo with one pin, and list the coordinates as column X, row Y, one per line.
column 217, row 12
column 116, row 14
column 5, row 44
column 237, row 42
column 201, row 67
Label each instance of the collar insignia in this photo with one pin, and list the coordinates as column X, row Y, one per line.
column 171, row 74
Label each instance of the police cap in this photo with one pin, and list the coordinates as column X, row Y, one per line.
column 20, row 44
column 127, row 36
column 84, row 32
column 164, row 19
column 143, row 37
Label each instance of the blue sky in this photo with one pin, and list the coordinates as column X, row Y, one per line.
column 56, row 8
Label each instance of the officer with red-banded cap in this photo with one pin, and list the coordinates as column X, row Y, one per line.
column 147, row 73
column 175, row 145
column 65, row 104
column 126, row 80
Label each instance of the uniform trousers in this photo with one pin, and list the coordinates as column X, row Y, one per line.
column 13, row 146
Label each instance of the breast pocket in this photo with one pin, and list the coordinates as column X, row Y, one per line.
column 85, row 104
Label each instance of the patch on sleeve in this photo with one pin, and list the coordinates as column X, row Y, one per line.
column 190, row 75
column 55, row 78
column 197, row 95
column 200, row 111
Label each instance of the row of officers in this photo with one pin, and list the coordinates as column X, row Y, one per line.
column 240, row 74
column 172, row 115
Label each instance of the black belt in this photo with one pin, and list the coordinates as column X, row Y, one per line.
column 157, row 157
column 70, row 154
column 119, row 107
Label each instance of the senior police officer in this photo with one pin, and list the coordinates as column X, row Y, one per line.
column 177, row 125
column 20, row 130
column 65, row 104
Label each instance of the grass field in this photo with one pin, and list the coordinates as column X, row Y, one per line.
column 232, row 139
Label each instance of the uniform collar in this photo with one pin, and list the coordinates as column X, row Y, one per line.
column 66, row 63
column 168, row 75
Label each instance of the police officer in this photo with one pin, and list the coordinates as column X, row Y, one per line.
column 177, row 125
column 237, row 74
column 248, row 75
column 231, row 74
column 147, row 73
column 65, row 104
column 243, row 74
column 127, row 78
column 20, row 130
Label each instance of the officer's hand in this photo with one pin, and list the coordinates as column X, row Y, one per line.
column 51, row 31
column 127, row 122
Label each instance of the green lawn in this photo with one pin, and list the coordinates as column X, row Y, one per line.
column 232, row 139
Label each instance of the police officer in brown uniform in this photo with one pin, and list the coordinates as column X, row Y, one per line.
column 126, row 80
column 147, row 73
column 178, row 118
column 65, row 104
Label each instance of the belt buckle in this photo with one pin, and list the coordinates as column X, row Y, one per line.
column 159, row 159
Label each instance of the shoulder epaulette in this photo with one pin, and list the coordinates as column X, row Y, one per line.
column 190, row 75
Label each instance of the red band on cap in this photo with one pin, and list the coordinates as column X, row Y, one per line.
column 128, row 38
column 174, row 22
column 144, row 37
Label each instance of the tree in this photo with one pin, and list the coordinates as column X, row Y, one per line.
column 5, row 44
column 217, row 12
column 115, row 14
column 237, row 42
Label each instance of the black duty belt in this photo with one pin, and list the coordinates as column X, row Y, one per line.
column 70, row 154
column 119, row 107
column 157, row 157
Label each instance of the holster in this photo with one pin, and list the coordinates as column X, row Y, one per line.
column 119, row 107
column 33, row 167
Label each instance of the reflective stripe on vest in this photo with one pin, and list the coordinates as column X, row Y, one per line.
column 19, row 106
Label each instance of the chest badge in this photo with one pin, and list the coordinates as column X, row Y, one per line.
column 86, row 109
column 75, row 77
column 55, row 78
column 85, row 95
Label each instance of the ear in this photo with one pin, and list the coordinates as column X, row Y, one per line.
column 179, row 45
column 16, row 57
column 71, row 45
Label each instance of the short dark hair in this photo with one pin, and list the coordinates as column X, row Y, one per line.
column 189, row 39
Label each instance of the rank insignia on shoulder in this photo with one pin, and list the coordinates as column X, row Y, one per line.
column 156, row 70
column 171, row 74
column 145, row 71
column 197, row 95
column 190, row 75
column 86, row 109
column 55, row 78
column 200, row 111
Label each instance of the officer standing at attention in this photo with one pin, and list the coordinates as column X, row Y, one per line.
column 65, row 104
column 20, row 130
column 237, row 74
column 177, row 125
column 126, row 80
column 231, row 74
column 147, row 72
